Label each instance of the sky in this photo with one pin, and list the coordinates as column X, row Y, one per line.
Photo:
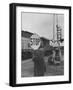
column 42, row 24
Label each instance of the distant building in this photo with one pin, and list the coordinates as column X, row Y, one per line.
column 45, row 42
column 25, row 39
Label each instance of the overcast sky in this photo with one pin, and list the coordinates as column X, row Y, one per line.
column 42, row 24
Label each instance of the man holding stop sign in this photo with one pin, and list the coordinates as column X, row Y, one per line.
column 38, row 55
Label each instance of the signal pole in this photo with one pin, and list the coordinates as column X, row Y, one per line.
column 53, row 37
column 59, row 38
column 53, row 27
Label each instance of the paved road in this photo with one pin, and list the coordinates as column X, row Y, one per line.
column 27, row 68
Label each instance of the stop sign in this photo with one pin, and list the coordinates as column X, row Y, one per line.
column 35, row 41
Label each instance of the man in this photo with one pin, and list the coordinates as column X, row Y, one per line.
column 39, row 64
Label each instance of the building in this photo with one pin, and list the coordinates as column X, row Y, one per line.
column 25, row 39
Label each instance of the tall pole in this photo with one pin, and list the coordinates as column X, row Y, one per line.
column 53, row 36
column 53, row 27
column 58, row 39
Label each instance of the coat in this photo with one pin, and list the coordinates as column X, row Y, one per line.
column 39, row 64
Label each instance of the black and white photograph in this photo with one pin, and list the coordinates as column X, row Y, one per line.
column 40, row 40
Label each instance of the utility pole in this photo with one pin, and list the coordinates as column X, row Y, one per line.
column 58, row 38
column 53, row 37
column 53, row 27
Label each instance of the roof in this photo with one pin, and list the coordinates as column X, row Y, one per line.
column 26, row 34
column 44, row 39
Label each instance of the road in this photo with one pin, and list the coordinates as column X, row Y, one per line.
column 27, row 68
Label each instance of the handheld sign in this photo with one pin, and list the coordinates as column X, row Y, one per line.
column 35, row 41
